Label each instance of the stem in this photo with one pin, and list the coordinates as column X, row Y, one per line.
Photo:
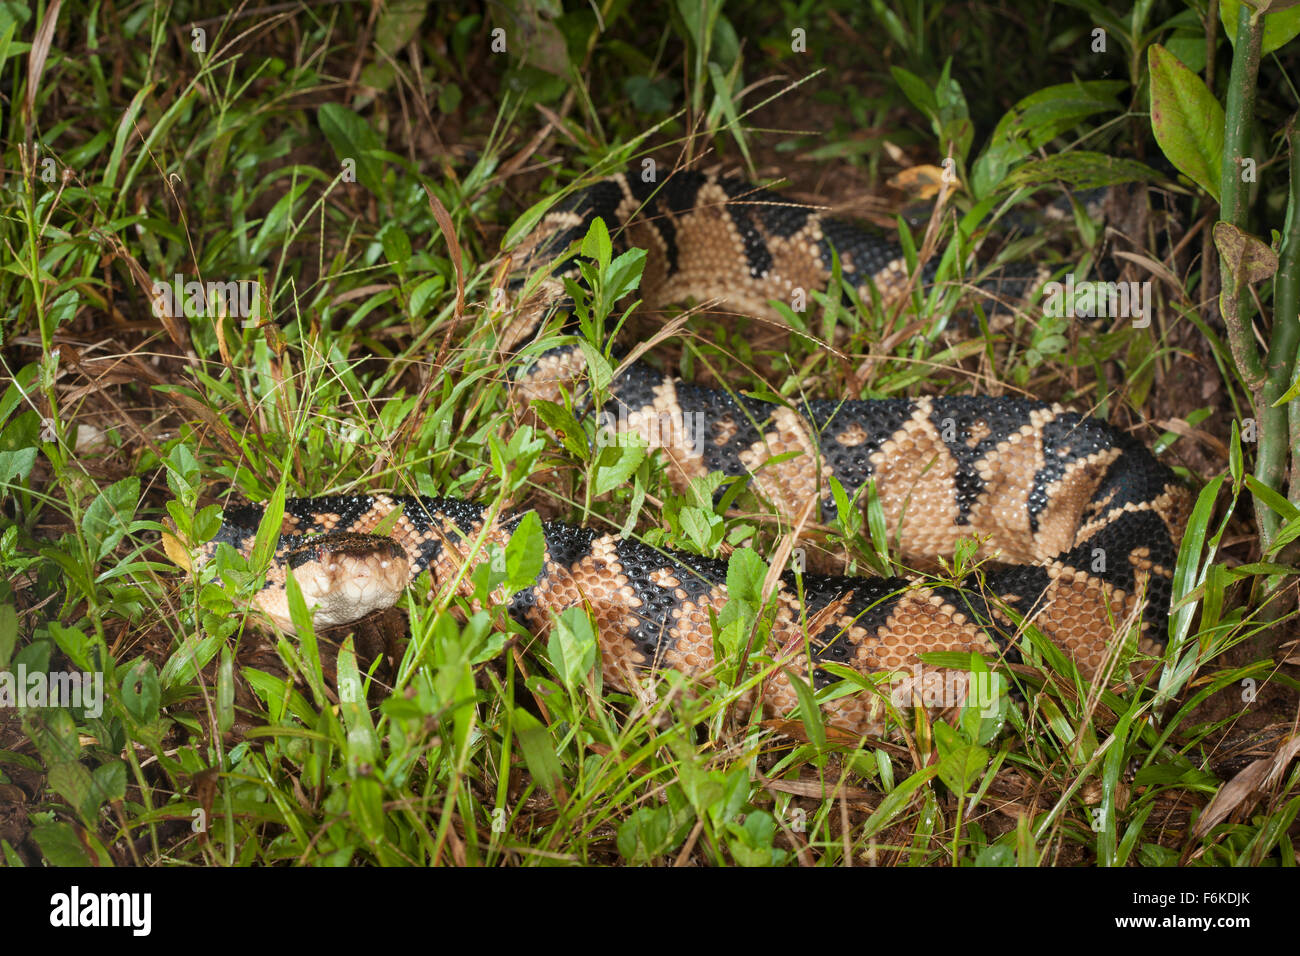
column 1276, row 423
column 1239, row 113
column 1210, row 284
column 1293, row 415
column 1211, row 41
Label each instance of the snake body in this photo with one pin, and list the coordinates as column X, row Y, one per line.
column 1082, row 522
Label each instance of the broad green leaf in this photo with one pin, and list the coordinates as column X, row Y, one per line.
column 960, row 761
column 1280, row 26
column 396, row 245
column 61, row 846
column 698, row 525
column 916, row 90
column 561, row 421
column 1079, row 169
column 996, row 855
column 109, row 516
column 1038, row 119
column 572, row 646
column 74, row 784
column 1187, row 120
column 1045, row 114
column 110, row 781
column 6, row 38
column 616, row 463
column 599, row 372
column 18, row 444
column 8, row 633
column 184, row 476
column 597, row 244
column 398, row 24
column 745, row 574
column 188, row 659
column 353, row 139
column 525, row 553
column 624, row 274
column 538, row 750
column 73, row 642
column 646, row 834
column 141, row 692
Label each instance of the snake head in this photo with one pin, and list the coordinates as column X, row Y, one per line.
column 343, row 577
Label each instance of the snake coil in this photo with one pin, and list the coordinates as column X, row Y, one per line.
column 1082, row 521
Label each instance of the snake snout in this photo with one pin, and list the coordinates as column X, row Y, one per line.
column 345, row 576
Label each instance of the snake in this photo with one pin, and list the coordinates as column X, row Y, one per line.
column 1076, row 525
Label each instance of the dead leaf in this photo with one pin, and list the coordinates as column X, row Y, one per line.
column 1248, row 259
column 1244, row 789
column 36, row 58
column 919, row 182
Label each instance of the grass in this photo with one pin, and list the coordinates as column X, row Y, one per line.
column 295, row 150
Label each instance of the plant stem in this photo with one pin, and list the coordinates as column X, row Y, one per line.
column 1270, row 465
column 1239, row 113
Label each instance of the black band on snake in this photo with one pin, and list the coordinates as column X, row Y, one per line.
column 1083, row 522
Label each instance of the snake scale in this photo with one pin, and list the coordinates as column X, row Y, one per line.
column 1082, row 521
